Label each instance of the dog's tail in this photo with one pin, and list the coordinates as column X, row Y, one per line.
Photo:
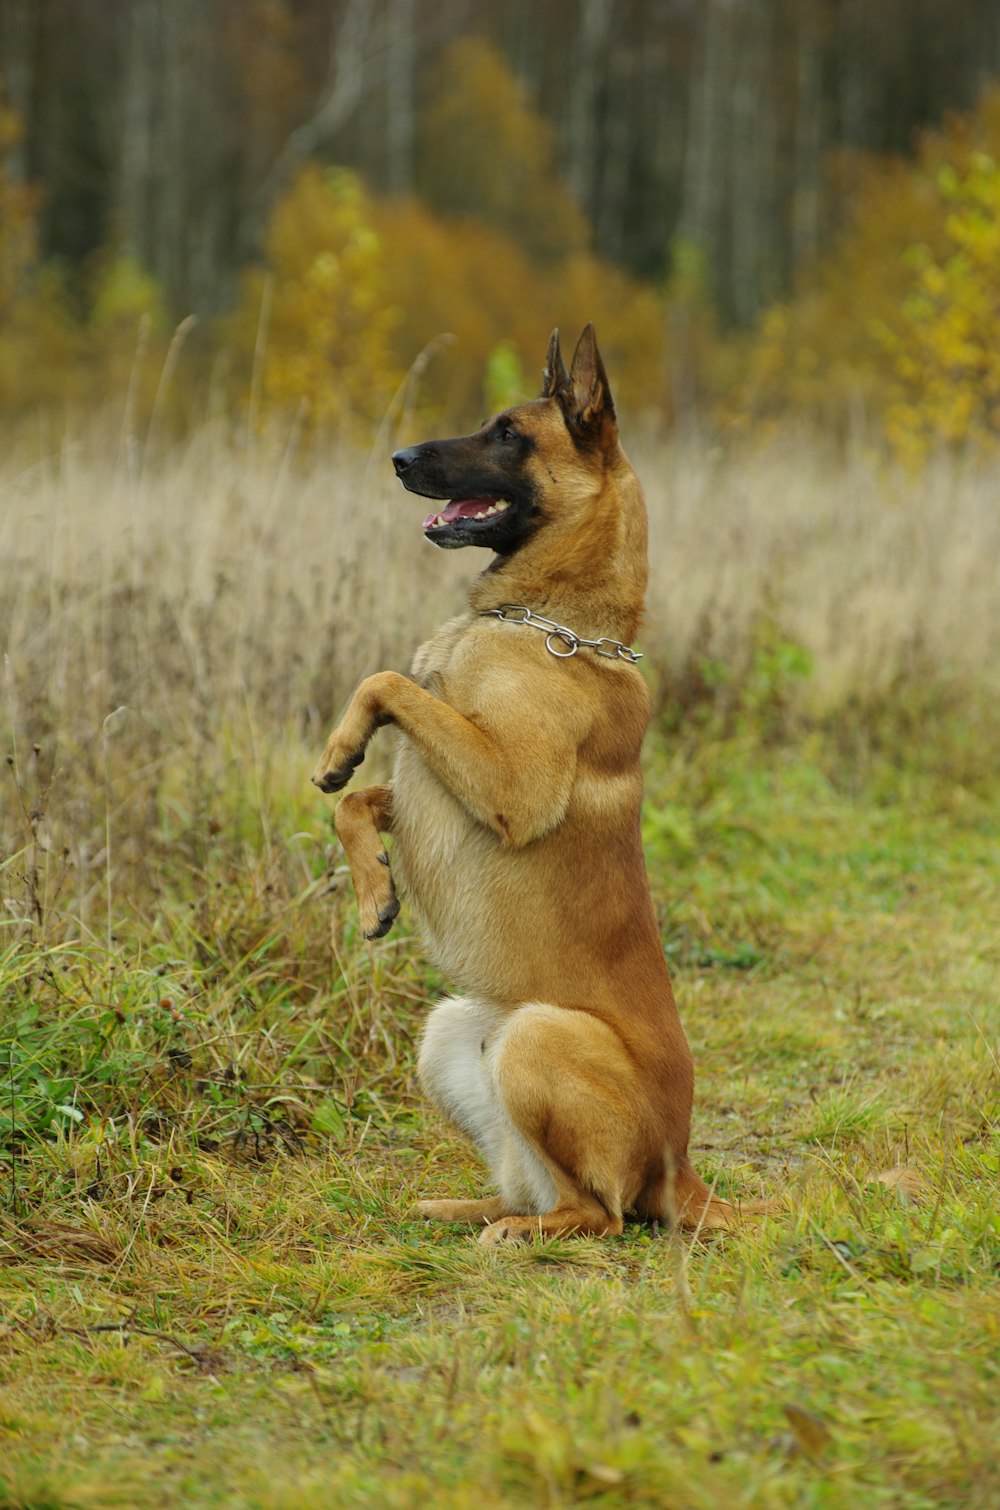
column 690, row 1204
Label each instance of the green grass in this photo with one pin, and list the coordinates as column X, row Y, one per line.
column 211, row 1139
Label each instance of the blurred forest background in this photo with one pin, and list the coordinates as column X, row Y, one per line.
column 771, row 209
column 246, row 248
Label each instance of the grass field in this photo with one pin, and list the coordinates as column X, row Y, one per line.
column 211, row 1289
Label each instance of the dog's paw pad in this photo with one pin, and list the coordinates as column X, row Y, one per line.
column 330, row 781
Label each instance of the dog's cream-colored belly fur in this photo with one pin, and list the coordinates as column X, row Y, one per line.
column 499, row 920
column 454, row 873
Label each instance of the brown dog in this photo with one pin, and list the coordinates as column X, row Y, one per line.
column 515, row 813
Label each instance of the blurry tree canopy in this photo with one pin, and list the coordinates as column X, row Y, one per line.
column 168, row 128
column 313, row 330
column 485, row 151
column 765, row 205
column 901, row 320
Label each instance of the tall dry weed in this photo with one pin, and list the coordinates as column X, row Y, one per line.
column 887, row 580
column 180, row 627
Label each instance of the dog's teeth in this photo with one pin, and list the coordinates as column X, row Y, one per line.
column 482, row 515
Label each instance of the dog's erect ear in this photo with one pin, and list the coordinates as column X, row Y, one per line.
column 590, row 405
column 555, row 378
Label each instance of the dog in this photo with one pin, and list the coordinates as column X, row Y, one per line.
column 514, row 810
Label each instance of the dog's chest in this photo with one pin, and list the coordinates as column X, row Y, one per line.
column 432, row 661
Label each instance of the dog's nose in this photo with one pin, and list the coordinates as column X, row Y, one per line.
column 403, row 459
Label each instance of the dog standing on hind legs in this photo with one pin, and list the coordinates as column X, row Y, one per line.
column 514, row 810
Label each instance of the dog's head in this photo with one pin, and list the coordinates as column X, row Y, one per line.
column 526, row 465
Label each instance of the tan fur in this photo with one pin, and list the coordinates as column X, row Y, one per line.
column 514, row 809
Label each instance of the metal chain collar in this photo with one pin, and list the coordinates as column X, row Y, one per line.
column 517, row 613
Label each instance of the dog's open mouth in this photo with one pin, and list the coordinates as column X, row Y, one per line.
column 469, row 510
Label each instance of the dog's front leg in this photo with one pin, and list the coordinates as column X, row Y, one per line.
column 345, row 749
column 515, row 778
column 360, row 820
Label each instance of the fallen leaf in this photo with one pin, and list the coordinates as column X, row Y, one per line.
column 909, row 1182
column 811, row 1434
column 603, row 1473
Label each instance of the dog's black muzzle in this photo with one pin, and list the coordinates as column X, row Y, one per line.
column 403, row 460
column 466, row 469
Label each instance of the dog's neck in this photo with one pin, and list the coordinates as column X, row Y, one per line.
column 590, row 576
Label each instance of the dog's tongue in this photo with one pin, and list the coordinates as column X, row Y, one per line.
column 459, row 508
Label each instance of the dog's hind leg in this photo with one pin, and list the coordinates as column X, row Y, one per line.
column 360, row 820
column 457, row 1072
column 575, row 1110
column 685, row 1201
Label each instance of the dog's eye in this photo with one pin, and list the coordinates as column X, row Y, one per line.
column 508, row 434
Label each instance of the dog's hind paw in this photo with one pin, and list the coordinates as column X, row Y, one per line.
column 516, row 1229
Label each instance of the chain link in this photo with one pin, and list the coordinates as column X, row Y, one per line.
column 517, row 613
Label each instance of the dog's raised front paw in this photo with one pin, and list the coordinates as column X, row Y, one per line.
column 330, row 777
column 386, row 917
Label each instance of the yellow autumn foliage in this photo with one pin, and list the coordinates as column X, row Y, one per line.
column 356, row 290
column 52, row 355
column 900, row 323
column 458, row 288
column 470, row 282
column 495, row 252
column 314, row 324
column 484, row 152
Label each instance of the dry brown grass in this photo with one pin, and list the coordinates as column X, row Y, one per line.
column 887, row 579
column 171, row 615
column 222, row 576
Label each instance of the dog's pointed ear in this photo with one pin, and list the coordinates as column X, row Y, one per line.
column 591, row 406
column 555, row 378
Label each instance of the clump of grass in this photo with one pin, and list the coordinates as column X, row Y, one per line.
column 212, row 1287
column 843, row 1114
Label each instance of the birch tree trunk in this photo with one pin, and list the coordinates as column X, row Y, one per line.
column 589, row 55
column 612, row 198
column 135, row 198
column 400, row 69
column 809, row 136
column 702, row 187
column 753, row 251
